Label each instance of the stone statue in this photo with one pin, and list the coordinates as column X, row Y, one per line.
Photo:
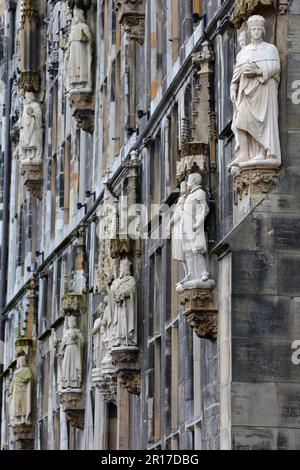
column 195, row 211
column 124, row 307
column 242, row 40
column 20, row 392
column 176, row 228
column 78, row 60
column 71, row 356
column 31, row 130
column 102, row 333
column 254, row 93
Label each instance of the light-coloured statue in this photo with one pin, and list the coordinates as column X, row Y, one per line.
column 70, row 354
column 242, row 40
column 124, row 307
column 31, row 130
column 254, row 93
column 194, row 244
column 21, row 394
column 102, row 333
column 78, row 59
column 175, row 228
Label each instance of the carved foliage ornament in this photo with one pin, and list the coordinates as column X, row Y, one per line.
column 262, row 180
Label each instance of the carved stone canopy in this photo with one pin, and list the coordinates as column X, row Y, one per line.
column 244, row 8
column 72, row 303
column 29, row 81
column 192, row 159
column 200, row 312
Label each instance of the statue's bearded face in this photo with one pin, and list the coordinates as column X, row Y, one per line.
column 257, row 32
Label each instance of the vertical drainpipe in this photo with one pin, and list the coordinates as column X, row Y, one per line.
column 11, row 9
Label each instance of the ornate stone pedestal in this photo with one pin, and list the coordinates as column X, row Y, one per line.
column 73, row 406
column 192, row 158
column 251, row 184
column 106, row 382
column 32, row 170
column 82, row 103
column 126, row 361
column 200, row 311
column 23, row 436
column 131, row 15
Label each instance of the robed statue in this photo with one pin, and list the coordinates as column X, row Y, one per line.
column 78, row 59
column 20, row 392
column 254, row 93
column 70, row 354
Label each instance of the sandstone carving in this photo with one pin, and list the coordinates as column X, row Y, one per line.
column 254, row 93
column 243, row 8
column 31, row 131
column 20, row 392
column 124, row 307
column 78, row 60
column 192, row 236
column 70, row 356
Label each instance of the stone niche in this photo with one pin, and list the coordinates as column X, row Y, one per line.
column 200, row 311
column 131, row 15
column 32, row 172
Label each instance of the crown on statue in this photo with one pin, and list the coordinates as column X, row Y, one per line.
column 256, row 20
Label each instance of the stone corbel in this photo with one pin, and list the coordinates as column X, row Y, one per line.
column 33, row 174
column 23, row 436
column 254, row 183
column 200, row 311
column 106, row 381
column 131, row 380
column 131, row 15
column 83, row 110
column 73, row 406
column 125, row 359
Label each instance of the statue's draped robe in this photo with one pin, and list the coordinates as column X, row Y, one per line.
column 31, row 131
column 256, row 110
column 125, row 311
column 195, row 211
column 72, row 344
column 80, row 58
column 20, row 391
column 177, row 250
